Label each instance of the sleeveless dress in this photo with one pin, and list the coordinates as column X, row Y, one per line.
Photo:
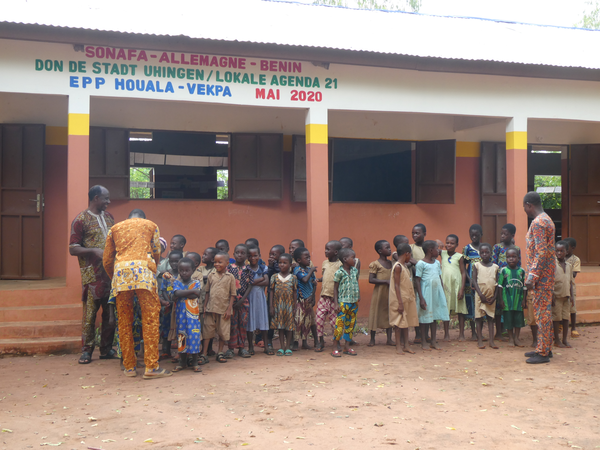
column 258, row 317
column 409, row 318
column 379, row 316
column 452, row 279
column 433, row 293
column 486, row 279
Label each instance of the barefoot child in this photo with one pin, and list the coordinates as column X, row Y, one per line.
column 166, row 303
column 208, row 259
column 511, row 295
column 485, row 282
column 398, row 239
column 380, row 272
column 185, row 296
column 326, row 309
column 307, row 283
column 563, row 294
column 258, row 318
column 273, row 268
column 239, row 317
column 346, row 295
column 282, row 303
column 507, row 237
column 296, row 244
column 402, row 305
column 454, row 277
column 471, row 257
column 220, row 294
column 418, row 234
column 574, row 261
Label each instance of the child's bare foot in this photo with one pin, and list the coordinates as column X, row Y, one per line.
column 390, row 342
column 566, row 344
column 533, row 345
column 511, row 343
column 400, row 352
column 435, row 346
column 425, row 347
column 474, row 338
column 447, row 338
column 371, row 343
column 461, row 338
column 559, row 344
column 408, row 350
column 354, row 343
column 305, row 345
column 295, row 346
column 518, row 343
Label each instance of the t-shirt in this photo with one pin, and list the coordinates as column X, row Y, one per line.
column 574, row 261
column 305, row 289
column 512, row 282
column 220, row 287
column 348, row 291
column 562, row 280
column 329, row 269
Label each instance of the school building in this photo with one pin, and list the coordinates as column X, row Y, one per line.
column 235, row 119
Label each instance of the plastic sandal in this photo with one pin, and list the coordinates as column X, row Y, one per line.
column 221, row 358
column 157, row 373
column 288, row 353
column 336, row 354
column 350, row 352
column 203, row 360
column 85, row 358
column 280, row 352
column 229, row 354
column 130, row 373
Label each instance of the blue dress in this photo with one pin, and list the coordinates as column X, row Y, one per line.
column 188, row 319
column 259, row 312
column 433, row 292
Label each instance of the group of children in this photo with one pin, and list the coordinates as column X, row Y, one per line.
column 482, row 282
column 242, row 300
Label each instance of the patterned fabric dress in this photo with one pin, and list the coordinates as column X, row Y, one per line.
column 471, row 255
column 499, row 255
column 166, row 311
column 188, row 318
column 239, row 316
column 284, row 301
column 305, row 314
column 348, row 296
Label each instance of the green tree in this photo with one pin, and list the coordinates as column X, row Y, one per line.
column 390, row 5
column 140, row 174
column 591, row 17
column 549, row 201
column 223, row 192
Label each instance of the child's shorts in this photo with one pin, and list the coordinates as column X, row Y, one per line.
column 530, row 312
column 513, row 319
column 561, row 309
column 574, row 305
column 215, row 324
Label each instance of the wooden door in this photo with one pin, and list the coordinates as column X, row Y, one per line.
column 21, row 201
column 493, row 190
column 584, row 201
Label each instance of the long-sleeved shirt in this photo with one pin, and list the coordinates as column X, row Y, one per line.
column 541, row 260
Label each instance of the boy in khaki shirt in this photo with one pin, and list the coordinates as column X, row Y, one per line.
column 220, row 294
column 563, row 295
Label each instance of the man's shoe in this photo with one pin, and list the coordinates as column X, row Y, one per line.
column 530, row 354
column 538, row 359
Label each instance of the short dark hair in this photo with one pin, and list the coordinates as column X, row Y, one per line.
column 345, row 253
column 572, row 242
column 298, row 241
column 286, row 256
column 252, row 241
column 453, row 236
column 398, row 239
column 403, row 248
column 379, row 245
column 137, row 214
column 485, row 244
column 427, row 245
column 279, row 248
column 533, row 198
column 181, row 238
column 299, row 252
column 226, row 255
column 512, row 248
column 186, row 260
column 336, row 244
column 222, row 241
column 94, row 191
column 241, row 245
column 421, row 226
column 563, row 243
column 176, row 253
column 195, row 257
column 253, row 247
column 476, row 227
column 510, row 228
column 347, row 239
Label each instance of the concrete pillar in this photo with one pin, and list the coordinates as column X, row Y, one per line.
column 516, row 176
column 78, row 172
column 317, row 181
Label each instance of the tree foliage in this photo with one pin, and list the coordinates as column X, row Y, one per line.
column 390, row 5
column 549, row 201
column 140, row 174
column 591, row 17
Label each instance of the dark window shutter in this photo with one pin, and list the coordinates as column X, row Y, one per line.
column 109, row 160
column 436, row 171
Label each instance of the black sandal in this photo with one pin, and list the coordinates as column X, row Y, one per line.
column 221, row 358
column 203, row 360
column 244, row 353
column 85, row 358
column 112, row 354
column 269, row 350
column 197, row 369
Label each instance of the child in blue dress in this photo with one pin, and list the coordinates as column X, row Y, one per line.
column 258, row 316
column 432, row 300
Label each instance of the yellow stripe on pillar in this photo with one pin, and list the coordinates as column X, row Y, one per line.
column 316, row 134
column 79, row 124
column 516, row 140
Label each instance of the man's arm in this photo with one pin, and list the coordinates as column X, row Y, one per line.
column 155, row 244
column 108, row 258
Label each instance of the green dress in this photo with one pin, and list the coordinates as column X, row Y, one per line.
column 452, row 279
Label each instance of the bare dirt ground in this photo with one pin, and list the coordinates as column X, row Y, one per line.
column 460, row 397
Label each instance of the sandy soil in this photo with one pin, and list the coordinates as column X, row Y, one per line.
column 460, row 397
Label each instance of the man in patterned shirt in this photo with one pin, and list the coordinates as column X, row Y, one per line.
column 131, row 256
column 541, row 264
column 88, row 236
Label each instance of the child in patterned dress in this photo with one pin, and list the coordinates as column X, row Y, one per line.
column 282, row 303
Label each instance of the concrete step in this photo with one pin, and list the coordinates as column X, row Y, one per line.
column 587, row 289
column 589, row 316
column 41, row 313
column 42, row 329
column 33, row 346
column 588, row 277
column 587, row 303
column 50, row 295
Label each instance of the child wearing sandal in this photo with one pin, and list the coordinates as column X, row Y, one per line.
column 485, row 284
column 220, row 294
column 346, row 295
column 305, row 314
column 185, row 294
column 402, row 302
column 166, row 308
column 562, row 299
column 258, row 317
column 282, row 303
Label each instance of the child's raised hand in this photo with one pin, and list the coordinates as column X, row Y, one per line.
column 167, row 275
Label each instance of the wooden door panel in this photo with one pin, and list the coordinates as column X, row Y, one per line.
column 31, row 247
column 33, row 161
column 493, row 190
column 579, row 230
column 11, row 239
column 11, row 156
column 593, row 239
column 586, row 204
